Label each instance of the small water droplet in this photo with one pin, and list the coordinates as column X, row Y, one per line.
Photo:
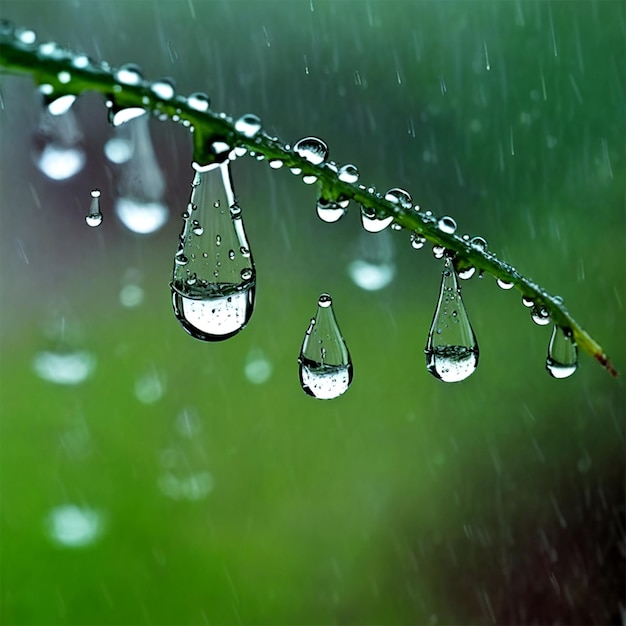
column 504, row 284
column 400, row 197
column 438, row 252
column 451, row 350
column 64, row 77
column 329, row 211
column 446, row 225
column 371, row 223
column 81, row 61
column 60, row 105
column 540, row 315
column 120, row 115
column 478, row 243
column 197, row 228
column 417, row 241
column 296, row 171
column 466, row 273
column 129, row 74
column 348, row 173
column 313, row 149
column 275, row 164
column 163, row 88
column 26, row 36
column 212, row 300
column 94, row 217
column 528, row 302
column 199, row 101
column 309, row 179
column 248, row 125
column 325, row 365
column 562, row 359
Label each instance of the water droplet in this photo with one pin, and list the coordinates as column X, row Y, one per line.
column 64, row 77
column 417, row 241
column 446, row 225
column 466, row 273
column 313, row 149
column 120, row 115
column 309, row 179
column 26, row 36
column 58, row 145
column 348, row 173
column 214, row 300
column 129, row 74
column 329, row 211
column 478, row 243
column 371, row 223
column 528, row 302
column 141, row 184
column 275, row 164
column 163, row 88
column 562, row 359
column 325, row 364
column 94, row 218
column 81, row 61
column 504, row 284
column 540, row 315
column 248, row 125
column 399, row 197
column 199, row 101
column 373, row 268
column 71, row 526
column 438, row 252
column 451, row 349
column 296, row 171
column 60, row 105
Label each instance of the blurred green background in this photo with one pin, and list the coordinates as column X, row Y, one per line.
column 191, row 483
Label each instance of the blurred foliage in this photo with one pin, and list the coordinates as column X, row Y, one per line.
column 497, row 500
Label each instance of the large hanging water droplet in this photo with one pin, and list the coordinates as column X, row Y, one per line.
column 58, row 145
column 141, row 184
column 451, row 349
column 214, row 281
column 371, row 223
column 325, row 364
column 562, row 359
column 313, row 149
column 94, row 217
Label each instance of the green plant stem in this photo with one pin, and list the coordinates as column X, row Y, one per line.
column 209, row 125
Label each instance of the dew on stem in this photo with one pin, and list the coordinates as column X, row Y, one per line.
column 214, row 282
column 451, row 349
column 312, row 149
column 324, row 362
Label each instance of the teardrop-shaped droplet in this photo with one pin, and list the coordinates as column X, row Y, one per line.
column 58, row 145
column 141, row 184
column 373, row 267
column 248, row 125
column 213, row 291
column 325, row 364
column 94, row 217
column 562, row 359
column 371, row 223
column 451, row 349
column 313, row 149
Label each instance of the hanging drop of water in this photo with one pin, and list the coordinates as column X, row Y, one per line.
column 213, row 291
column 528, row 302
column 417, row 241
column 129, row 74
column 275, row 164
column 313, row 149
column 447, row 225
column 540, row 315
column 438, row 251
column 330, row 211
column 371, row 223
column 309, row 179
column 504, row 284
column 58, row 145
column 248, row 125
column 60, row 105
column 451, row 349
column 141, row 184
column 562, row 359
column 325, row 364
column 466, row 273
column 348, row 173
column 94, row 218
